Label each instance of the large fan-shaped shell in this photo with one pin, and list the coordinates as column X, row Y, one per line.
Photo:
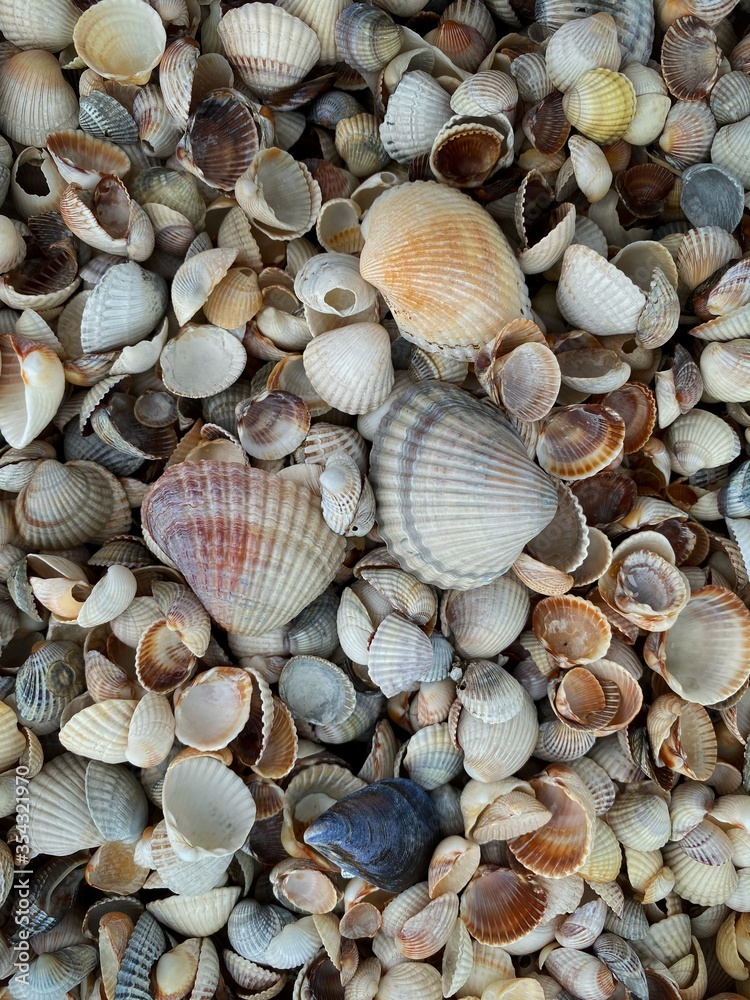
column 422, row 244
column 457, row 496
column 279, row 554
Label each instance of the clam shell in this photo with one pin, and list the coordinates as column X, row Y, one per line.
column 59, row 818
column 366, row 38
column 500, row 906
column 635, row 24
column 601, row 105
column 351, row 367
column 201, row 361
column 711, row 196
column 485, row 620
column 582, row 45
column 270, row 48
column 493, row 751
column 119, row 41
column 578, row 441
column 222, row 137
column 35, row 99
column 689, row 129
column 429, row 413
column 425, row 216
column 690, row 58
column 229, row 812
column 116, row 802
column 200, row 915
column 235, row 501
column 63, row 505
column 730, row 98
column 399, row 853
column 124, row 307
column 211, row 710
column 279, row 194
column 39, row 25
column 713, row 620
column 595, row 296
column 46, row 682
column 32, row 385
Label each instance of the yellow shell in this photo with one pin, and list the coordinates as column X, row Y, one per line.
column 601, row 105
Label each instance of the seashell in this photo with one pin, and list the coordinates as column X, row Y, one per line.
column 201, row 361
column 32, row 384
column 690, row 58
column 196, row 279
column 134, row 301
column 635, row 26
column 48, row 681
column 722, row 367
column 485, row 620
column 199, row 915
column 83, row 160
column 229, row 812
column 100, row 731
column 222, row 137
column 181, row 541
column 529, row 70
column 392, row 807
column 358, row 143
column 592, row 172
column 689, row 130
column 499, row 906
column 728, row 149
column 273, row 426
column 351, row 367
column 415, row 299
column 670, row 654
column 270, row 48
column 414, row 554
column 571, row 629
column 711, row 196
column 700, row 440
column 116, row 802
column 110, row 40
column 337, row 227
column 466, row 151
column 366, row 39
column 151, row 732
column 28, row 119
column 104, row 117
column 701, row 862
column 279, row 194
column 108, row 219
column 35, row 26
column 591, row 977
column 578, row 441
column 59, row 818
column 601, row 105
column 730, row 98
column 493, row 751
column 583, row 268
column 487, row 92
column 62, row 505
column 109, row 597
column 226, row 691
column 582, row 45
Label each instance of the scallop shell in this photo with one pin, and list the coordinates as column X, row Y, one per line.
column 235, row 501
column 422, row 542
column 578, row 441
column 500, row 906
column 426, row 216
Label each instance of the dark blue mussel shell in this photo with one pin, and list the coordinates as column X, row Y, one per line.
column 384, row 832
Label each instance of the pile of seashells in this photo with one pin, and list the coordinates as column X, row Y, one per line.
column 374, row 499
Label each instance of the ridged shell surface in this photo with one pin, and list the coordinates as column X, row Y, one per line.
column 634, row 20
column 443, row 266
column 254, row 548
column 457, row 496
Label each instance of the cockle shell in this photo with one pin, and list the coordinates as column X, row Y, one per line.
column 437, row 546
column 411, row 234
column 120, row 41
column 250, row 595
column 54, row 106
column 407, row 831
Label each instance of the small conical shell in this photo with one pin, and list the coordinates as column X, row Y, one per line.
column 414, row 234
column 439, row 531
column 260, row 587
